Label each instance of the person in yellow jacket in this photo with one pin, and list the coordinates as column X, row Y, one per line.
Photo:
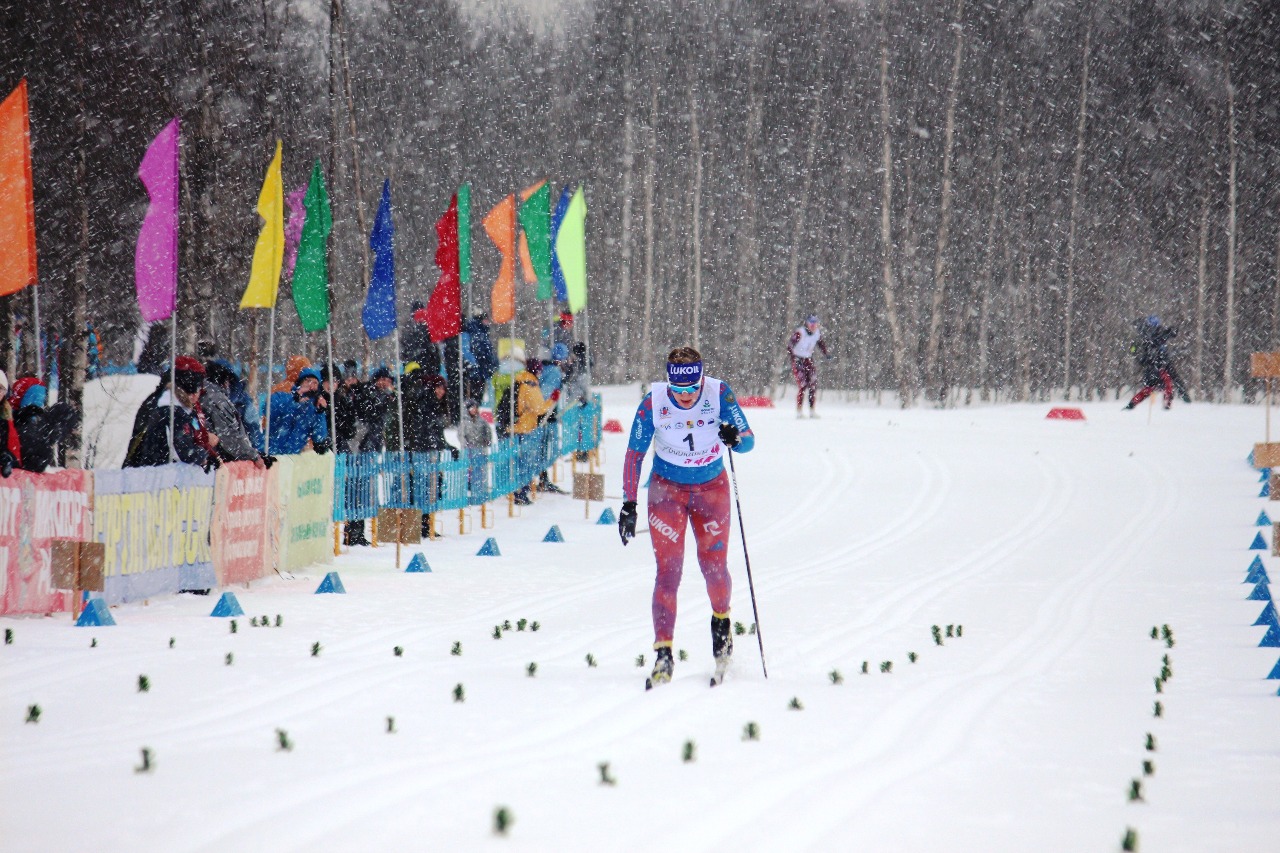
column 531, row 410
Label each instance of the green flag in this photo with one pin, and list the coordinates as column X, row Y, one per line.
column 464, row 233
column 535, row 219
column 571, row 249
column 311, row 274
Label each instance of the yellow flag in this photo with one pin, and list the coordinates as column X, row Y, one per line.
column 268, row 255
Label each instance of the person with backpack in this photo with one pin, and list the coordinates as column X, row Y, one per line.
column 531, row 409
column 689, row 419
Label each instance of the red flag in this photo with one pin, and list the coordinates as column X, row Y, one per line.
column 444, row 308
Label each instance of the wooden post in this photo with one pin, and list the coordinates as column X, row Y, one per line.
column 337, row 539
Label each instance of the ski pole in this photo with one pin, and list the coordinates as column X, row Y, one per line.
column 733, row 476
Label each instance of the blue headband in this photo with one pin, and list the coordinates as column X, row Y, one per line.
column 684, row 375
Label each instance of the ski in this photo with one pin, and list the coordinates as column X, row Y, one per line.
column 718, row 675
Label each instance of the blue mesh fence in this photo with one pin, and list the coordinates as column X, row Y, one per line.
column 432, row 482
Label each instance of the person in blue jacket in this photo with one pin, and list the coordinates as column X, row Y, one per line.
column 300, row 416
column 690, row 419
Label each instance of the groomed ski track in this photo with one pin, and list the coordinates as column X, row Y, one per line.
column 1056, row 545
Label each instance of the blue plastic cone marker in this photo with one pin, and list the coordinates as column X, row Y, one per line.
column 228, row 605
column 1272, row 638
column 95, row 615
column 1258, row 576
column 489, row 548
column 331, row 583
column 1259, row 544
column 1263, row 521
column 607, row 517
column 1275, row 671
column 1267, row 616
column 418, row 564
column 1260, row 593
column 1266, row 490
column 1265, row 476
column 1256, row 564
column 554, row 534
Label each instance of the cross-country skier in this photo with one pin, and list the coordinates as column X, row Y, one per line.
column 804, row 341
column 1152, row 351
column 688, row 418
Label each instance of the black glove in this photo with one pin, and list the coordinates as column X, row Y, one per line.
column 627, row 521
column 268, row 461
column 729, row 434
column 212, row 463
column 6, row 464
column 321, row 447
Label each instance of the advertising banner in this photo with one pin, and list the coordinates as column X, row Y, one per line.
column 35, row 509
column 305, row 496
column 155, row 524
column 242, row 542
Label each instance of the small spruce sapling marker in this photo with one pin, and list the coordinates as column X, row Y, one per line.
column 391, row 725
column 147, row 764
column 937, row 635
column 506, row 624
column 1151, row 742
column 264, row 621
column 739, row 628
column 398, row 651
column 93, row 643
column 502, row 820
column 8, row 636
column 456, row 651
column 591, row 659
column 911, row 656
column 683, row 655
column 1159, row 684
column 1158, row 710
column 520, row 625
column 253, row 622
column 534, row 626
column 33, row 714
column 959, row 630
column 689, row 753
column 951, row 630
column 887, row 666
column 752, row 629
column 279, row 621
column 1155, row 632
column 1148, row 768
column 144, row 684
column 315, row 650
column 171, row 642
column 532, row 669
column 233, row 626
column 497, row 632
column 639, row 660
column 751, row 731
column 605, row 778
column 1130, row 842
column 864, row 667
column 836, row 677
column 459, row 694
column 795, row 704
column 230, row 658
column 283, row 744
column 1135, row 791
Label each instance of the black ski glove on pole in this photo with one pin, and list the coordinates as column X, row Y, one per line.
column 627, row 521
column 729, row 434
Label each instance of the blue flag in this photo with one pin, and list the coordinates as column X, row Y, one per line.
column 379, row 315
column 557, row 274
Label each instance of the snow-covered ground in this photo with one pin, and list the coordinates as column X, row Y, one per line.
column 1056, row 545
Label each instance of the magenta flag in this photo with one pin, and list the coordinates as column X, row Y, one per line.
column 156, row 258
column 293, row 228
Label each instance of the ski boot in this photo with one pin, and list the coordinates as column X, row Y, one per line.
column 721, row 646
column 662, row 667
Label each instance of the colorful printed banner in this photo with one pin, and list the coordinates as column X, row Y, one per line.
column 155, row 523
column 305, row 509
column 35, row 509
column 243, row 516
column 155, row 258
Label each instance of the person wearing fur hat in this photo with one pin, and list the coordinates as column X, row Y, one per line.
column 300, row 417
column 191, row 441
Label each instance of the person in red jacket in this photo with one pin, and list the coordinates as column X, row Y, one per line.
column 804, row 341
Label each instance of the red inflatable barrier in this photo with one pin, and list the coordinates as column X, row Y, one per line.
column 613, row 425
column 1064, row 413
column 755, row 402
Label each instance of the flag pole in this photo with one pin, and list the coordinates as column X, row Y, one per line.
column 173, row 377
column 333, row 416
column 271, row 363
column 35, row 319
column 400, row 422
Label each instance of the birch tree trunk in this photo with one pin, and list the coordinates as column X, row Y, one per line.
column 899, row 343
column 336, row 11
column 1229, row 359
column 940, row 272
column 77, row 336
column 748, row 250
column 696, row 141
column 1081, row 124
column 797, row 236
column 649, row 167
column 1275, row 298
column 1202, row 286
column 989, row 255
column 626, row 366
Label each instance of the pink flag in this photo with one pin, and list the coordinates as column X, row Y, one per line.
column 156, row 257
column 293, row 228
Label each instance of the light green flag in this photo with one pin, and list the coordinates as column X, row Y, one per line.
column 464, row 233
column 535, row 219
column 311, row 273
column 571, row 249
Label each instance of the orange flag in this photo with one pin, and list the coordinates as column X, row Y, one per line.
column 500, row 225
column 526, row 261
column 17, row 205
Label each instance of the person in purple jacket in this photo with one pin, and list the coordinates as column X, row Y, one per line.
column 689, row 419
